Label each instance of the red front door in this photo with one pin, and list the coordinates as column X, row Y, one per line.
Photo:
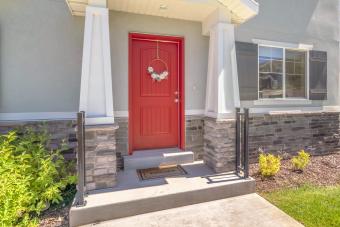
column 154, row 110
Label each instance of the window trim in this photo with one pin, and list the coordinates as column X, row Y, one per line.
column 284, row 48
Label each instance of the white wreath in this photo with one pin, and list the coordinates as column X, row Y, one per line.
column 158, row 77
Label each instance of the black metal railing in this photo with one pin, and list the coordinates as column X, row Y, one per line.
column 242, row 147
column 81, row 159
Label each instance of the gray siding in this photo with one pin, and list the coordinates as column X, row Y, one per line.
column 196, row 54
column 41, row 49
column 40, row 56
column 300, row 21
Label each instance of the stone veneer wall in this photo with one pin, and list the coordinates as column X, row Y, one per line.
column 121, row 140
column 194, row 128
column 61, row 132
column 286, row 134
column 193, row 137
column 219, row 144
column 100, row 156
column 283, row 134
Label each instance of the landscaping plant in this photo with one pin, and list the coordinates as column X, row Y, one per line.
column 31, row 177
column 269, row 164
column 301, row 160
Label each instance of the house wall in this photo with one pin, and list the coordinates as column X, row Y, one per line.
column 286, row 134
column 41, row 49
column 304, row 21
column 61, row 133
column 40, row 56
column 194, row 130
column 196, row 54
column 280, row 134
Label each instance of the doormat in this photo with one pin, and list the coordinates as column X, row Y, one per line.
column 160, row 172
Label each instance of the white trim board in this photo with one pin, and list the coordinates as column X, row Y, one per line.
column 278, row 102
column 39, row 116
column 194, row 112
column 36, row 116
column 99, row 120
column 300, row 46
column 294, row 110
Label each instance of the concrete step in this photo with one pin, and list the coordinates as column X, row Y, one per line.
column 144, row 159
column 133, row 197
column 240, row 211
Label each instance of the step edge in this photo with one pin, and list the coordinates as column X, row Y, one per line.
column 248, row 189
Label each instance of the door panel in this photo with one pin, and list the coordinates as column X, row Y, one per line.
column 154, row 119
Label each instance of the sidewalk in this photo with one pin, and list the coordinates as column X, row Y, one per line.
column 247, row 210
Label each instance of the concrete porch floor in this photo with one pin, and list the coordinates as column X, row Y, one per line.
column 241, row 211
column 133, row 197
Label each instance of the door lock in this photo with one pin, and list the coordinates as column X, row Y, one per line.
column 176, row 93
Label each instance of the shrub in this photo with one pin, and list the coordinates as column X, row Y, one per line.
column 269, row 164
column 301, row 160
column 31, row 177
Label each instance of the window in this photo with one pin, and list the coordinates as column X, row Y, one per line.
column 282, row 73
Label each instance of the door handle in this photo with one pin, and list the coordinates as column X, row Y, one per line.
column 176, row 100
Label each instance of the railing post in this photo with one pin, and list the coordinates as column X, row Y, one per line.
column 237, row 140
column 245, row 142
column 81, row 157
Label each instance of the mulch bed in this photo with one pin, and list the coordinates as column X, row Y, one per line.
column 321, row 171
column 55, row 217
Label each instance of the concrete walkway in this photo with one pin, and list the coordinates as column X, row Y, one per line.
column 247, row 210
column 134, row 197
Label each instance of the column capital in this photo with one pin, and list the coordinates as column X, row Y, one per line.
column 96, row 11
column 219, row 16
column 98, row 3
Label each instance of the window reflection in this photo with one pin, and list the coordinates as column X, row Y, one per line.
column 282, row 73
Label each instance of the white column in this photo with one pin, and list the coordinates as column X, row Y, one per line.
column 96, row 83
column 222, row 92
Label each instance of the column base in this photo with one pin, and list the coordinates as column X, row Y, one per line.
column 219, row 144
column 100, row 156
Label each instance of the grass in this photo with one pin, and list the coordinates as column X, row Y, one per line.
column 311, row 205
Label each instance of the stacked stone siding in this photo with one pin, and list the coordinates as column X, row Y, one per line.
column 194, row 128
column 193, row 137
column 210, row 139
column 286, row 134
column 121, row 141
column 100, row 157
column 61, row 132
column 219, row 144
column 282, row 134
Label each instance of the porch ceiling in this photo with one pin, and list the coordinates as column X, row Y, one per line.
column 193, row 10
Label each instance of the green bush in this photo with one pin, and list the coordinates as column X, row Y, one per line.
column 269, row 164
column 31, row 177
column 301, row 160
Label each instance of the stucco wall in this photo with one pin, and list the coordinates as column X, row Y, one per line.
column 196, row 54
column 300, row 21
column 41, row 49
column 40, row 56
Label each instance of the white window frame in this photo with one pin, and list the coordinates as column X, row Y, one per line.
column 283, row 73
